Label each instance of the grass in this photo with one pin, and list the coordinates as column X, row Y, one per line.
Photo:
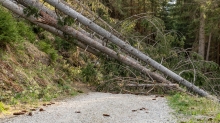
column 3, row 108
column 194, row 109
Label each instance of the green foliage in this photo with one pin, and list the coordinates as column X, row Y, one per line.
column 25, row 31
column 127, row 27
column 66, row 21
column 47, row 48
column 30, row 10
column 89, row 73
column 186, row 23
column 112, row 68
column 2, row 107
column 8, row 28
column 169, row 51
column 153, row 24
column 217, row 117
column 63, row 45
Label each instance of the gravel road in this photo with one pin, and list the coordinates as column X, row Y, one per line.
column 96, row 107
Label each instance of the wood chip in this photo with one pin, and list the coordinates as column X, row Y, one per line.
column 106, row 115
column 143, row 108
column 18, row 113
column 77, row 112
column 33, row 109
column 41, row 109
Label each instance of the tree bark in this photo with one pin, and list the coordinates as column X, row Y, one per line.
column 202, row 34
column 152, row 85
column 208, row 48
column 67, row 10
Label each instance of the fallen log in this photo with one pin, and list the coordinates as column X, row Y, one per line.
column 110, row 52
column 153, row 85
column 65, row 8
column 50, row 16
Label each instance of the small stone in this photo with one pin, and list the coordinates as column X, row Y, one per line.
column 18, row 113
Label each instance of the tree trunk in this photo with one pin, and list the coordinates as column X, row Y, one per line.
column 85, row 39
column 153, row 85
column 202, row 34
column 69, row 11
column 208, row 48
column 217, row 54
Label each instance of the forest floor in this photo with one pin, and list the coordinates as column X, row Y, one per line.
column 96, row 107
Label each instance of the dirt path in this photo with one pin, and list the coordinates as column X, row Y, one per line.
column 97, row 107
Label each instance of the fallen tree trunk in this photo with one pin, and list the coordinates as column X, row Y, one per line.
column 153, row 85
column 87, row 40
column 64, row 7
column 9, row 5
column 42, row 7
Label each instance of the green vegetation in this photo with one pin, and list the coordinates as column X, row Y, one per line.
column 47, row 48
column 89, row 74
column 191, row 109
column 2, row 107
column 8, row 28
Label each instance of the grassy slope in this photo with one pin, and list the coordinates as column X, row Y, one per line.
column 31, row 70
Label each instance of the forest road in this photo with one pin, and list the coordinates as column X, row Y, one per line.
column 96, row 107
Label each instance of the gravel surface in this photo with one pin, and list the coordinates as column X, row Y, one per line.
column 97, row 107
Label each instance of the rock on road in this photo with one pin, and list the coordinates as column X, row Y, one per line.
column 96, row 107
